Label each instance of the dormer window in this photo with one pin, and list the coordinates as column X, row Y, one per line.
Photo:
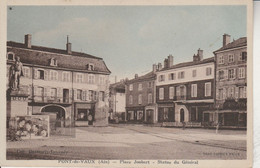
column 10, row 56
column 90, row 67
column 53, row 62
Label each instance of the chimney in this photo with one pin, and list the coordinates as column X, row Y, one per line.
column 226, row 39
column 159, row 66
column 200, row 54
column 165, row 63
column 68, row 46
column 28, row 40
column 136, row 76
column 170, row 61
column 154, row 67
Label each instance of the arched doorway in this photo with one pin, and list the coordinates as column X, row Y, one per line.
column 182, row 115
column 59, row 118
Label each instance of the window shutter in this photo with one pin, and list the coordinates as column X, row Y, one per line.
column 226, row 74
column 84, row 95
column 236, row 92
column 75, row 94
column 87, row 95
column 35, row 91
column 217, row 94
column 195, row 90
column 59, row 94
column 217, row 75
column 178, row 91
column 46, row 75
column 235, row 70
column 224, row 93
column 35, row 74
column 70, row 95
column 245, row 92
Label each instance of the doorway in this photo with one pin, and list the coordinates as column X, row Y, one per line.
column 182, row 115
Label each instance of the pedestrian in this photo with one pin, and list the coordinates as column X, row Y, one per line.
column 183, row 125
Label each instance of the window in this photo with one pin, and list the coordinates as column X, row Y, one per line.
column 243, row 56
column 26, row 72
column 140, row 115
column 221, row 94
column 131, row 115
column 91, row 95
column 102, row 80
column 90, row 67
column 79, row 94
column 194, row 90
column 53, row 93
column 161, row 78
column 140, row 86
column 40, row 74
column 194, row 73
column 140, row 99
column 91, row 79
column 161, row 93
column 130, row 99
column 231, row 73
column 172, row 76
column 79, row 78
column 53, row 62
column 208, row 71
column 10, row 56
column 150, row 84
column 231, row 92
column 181, row 75
column 221, row 59
column 208, row 89
column 150, row 98
column 40, row 91
column 231, row 58
column 65, row 76
column 241, row 72
column 53, row 75
column 221, row 75
column 102, row 96
column 171, row 92
column 131, row 87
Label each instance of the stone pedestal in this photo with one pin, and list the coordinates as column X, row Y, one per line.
column 17, row 102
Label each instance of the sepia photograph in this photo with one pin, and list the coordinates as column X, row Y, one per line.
column 132, row 85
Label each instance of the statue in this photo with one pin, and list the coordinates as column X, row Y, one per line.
column 16, row 71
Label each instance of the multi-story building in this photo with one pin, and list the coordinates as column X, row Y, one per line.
column 231, row 83
column 185, row 90
column 140, row 98
column 73, row 85
column 117, row 100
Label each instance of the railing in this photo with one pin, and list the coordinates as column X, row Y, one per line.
column 182, row 97
column 51, row 99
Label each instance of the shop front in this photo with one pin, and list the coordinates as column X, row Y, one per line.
column 84, row 114
column 135, row 114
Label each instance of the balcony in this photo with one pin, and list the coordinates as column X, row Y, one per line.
column 181, row 97
column 50, row 99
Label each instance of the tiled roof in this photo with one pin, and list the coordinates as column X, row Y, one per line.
column 118, row 85
column 236, row 43
column 191, row 63
column 148, row 76
column 38, row 55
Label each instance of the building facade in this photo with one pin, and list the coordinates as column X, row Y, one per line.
column 185, row 90
column 140, row 98
column 72, row 85
column 117, row 101
column 231, row 84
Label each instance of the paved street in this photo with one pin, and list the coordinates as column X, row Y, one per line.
column 134, row 142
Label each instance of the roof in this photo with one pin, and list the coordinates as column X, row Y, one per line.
column 191, row 63
column 38, row 55
column 148, row 76
column 118, row 85
column 236, row 43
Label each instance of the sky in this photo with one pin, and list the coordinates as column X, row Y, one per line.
column 130, row 39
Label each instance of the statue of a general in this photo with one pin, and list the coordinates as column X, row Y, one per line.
column 16, row 71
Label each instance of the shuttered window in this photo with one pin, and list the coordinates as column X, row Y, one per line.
column 194, row 90
column 208, row 89
column 161, row 93
column 171, row 92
